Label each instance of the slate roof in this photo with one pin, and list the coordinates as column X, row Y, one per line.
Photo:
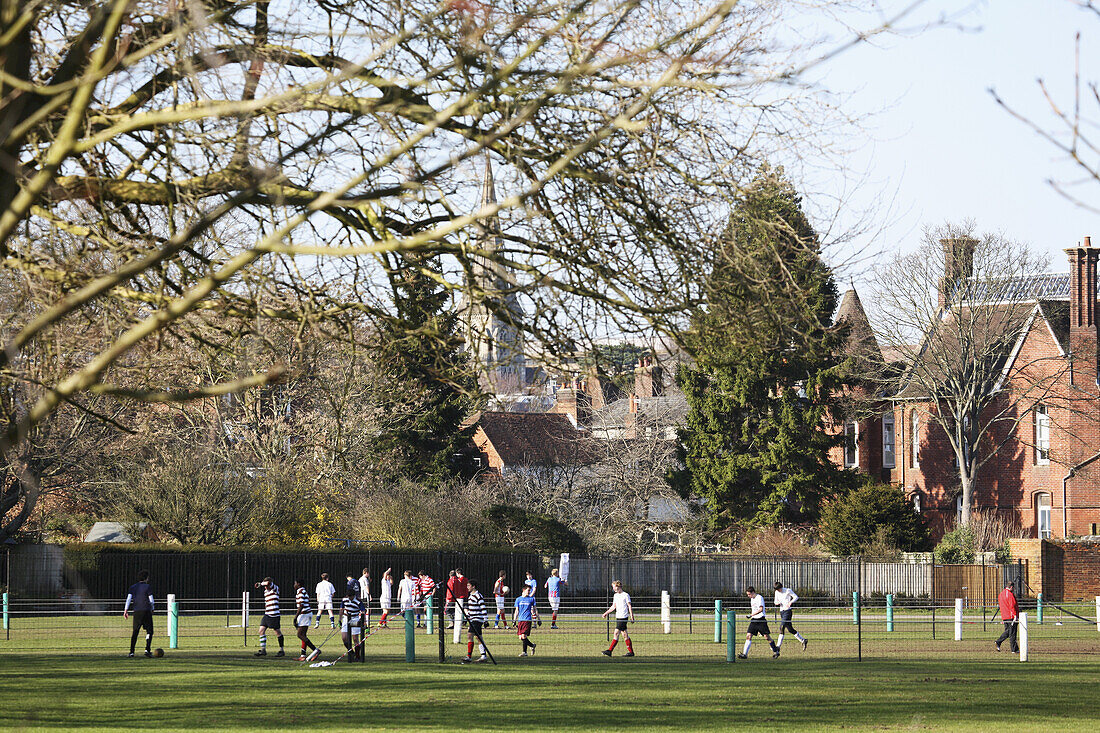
column 1043, row 286
column 533, row 438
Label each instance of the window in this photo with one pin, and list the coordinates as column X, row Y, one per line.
column 916, row 503
column 1042, row 435
column 1042, row 514
column 914, row 439
column 851, row 444
column 888, row 440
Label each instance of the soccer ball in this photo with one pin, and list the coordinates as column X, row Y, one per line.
column 504, row 589
column 158, row 652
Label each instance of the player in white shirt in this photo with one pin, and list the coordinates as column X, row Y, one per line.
column 624, row 611
column 406, row 592
column 500, row 592
column 385, row 597
column 784, row 599
column 325, row 592
column 758, row 624
column 364, row 596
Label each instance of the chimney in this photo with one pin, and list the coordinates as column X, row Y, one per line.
column 566, row 404
column 1082, row 312
column 958, row 265
column 647, row 378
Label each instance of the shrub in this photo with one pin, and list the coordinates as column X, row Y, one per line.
column 873, row 517
column 957, row 546
column 527, row 530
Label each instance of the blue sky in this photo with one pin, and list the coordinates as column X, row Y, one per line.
column 939, row 146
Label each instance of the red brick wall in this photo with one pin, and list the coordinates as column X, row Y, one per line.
column 1080, row 570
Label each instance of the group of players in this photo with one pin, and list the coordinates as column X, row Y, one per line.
column 464, row 603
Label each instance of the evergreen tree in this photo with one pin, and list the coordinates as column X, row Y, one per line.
column 431, row 393
column 766, row 367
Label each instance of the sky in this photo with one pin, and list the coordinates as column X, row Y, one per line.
column 939, row 148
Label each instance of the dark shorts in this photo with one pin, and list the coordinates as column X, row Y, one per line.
column 143, row 619
column 758, row 627
column 271, row 622
column 523, row 628
column 785, row 616
column 475, row 627
column 620, row 624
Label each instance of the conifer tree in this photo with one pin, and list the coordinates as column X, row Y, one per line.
column 767, row 365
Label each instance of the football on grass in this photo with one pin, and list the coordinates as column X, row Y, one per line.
column 158, row 652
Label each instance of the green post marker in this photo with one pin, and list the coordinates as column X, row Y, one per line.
column 429, row 628
column 731, row 643
column 889, row 611
column 173, row 622
column 410, row 637
column 855, row 607
column 1039, row 608
column 718, row 621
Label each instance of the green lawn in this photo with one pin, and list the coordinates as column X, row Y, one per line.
column 680, row 682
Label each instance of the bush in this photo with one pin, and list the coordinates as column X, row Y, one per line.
column 873, row 517
column 957, row 546
column 527, row 530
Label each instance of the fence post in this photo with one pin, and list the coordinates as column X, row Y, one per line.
column 410, row 636
column 958, row 619
column 855, row 607
column 1023, row 636
column 717, row 620
column 859, row 629
column 7, row 625
column 173, row 621
column 244, row 616
column 429, row 613
column 459, row 612
column 1039, row 608
column 666, row 611
column 731, row 642
column 889, row 611
column 1098, row 613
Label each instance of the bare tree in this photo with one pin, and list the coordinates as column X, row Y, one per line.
column 953, row 312
column 261, row 159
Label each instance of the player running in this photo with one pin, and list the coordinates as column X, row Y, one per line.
column 385, row 597
column 325, row 592
column 758, row 624
column 475, row 614
column 624, row 612
column 553, row 585
column 523, row 614
column 141, row 596
column 303, row 615
column 351, row 611
column 500, row 593
column 784, row 599
column 271, row 616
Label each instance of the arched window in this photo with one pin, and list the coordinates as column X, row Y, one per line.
column 914, row 439
column 1042, row 514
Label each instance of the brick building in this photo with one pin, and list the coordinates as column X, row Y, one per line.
column 1045, row 471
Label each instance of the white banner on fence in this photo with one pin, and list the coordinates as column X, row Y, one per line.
column 563, row 567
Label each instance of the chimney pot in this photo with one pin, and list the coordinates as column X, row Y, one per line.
column 1088, row 241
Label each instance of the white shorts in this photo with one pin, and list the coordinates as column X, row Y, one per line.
column 386, row 604
column 303, row 619
column 500, row 603
column 324, row 606
column 407, row 606
column 354, row 624
column 555, row 602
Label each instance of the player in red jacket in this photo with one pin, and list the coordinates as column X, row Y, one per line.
column 1010, row 614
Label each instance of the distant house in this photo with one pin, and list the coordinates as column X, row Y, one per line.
column 507, row 442
column 1045, row 476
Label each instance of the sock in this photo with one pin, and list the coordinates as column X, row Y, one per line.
column 748, row 645
column 629, row 646
column 280, row 643
column 524, row 644
column 779, row 641
column 263, row 642
column 799, row 636
column 481, row 647
column 303, row 647
column 311, row 645
column 613, row 643
column 773, row 646
column 470, row 648
column 553, row 617
column 148, row 641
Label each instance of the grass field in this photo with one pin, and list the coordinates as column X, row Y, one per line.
column 69, row 673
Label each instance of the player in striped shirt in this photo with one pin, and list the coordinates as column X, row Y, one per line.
column 271, row 616
column 425, row 588
column 351, row 616
column 302, row 617
column 474, row 609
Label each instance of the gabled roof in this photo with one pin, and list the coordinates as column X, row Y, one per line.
column 533, row 438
